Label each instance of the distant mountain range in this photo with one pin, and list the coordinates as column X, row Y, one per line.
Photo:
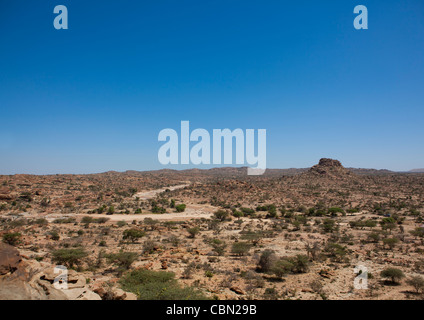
column 417, row 170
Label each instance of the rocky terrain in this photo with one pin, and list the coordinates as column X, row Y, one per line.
column 214, row 234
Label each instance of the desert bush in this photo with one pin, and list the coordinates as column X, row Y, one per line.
column 316, row 286
column 237, row 214
column 417, row 282
column 218, row 246
column 156, row 208
column 282, row 267
column 122, row 259
column 64, row 220
column 336, row 251
column 240, row 248
column 41, row 222
column 188, row 271
column 158, row 285
column 247, row 211
column 174, row 240
column 374, row 237
column 152, row 223
column 390, row 242
column 111, row 210
column 54, row 235
column 271, row 294
column 133, row 234
column 149, row 246
column 69, row 257
column 394, row 274
column 388, row 223
column 87, row 220
column 221, row 215
column 252, row 236
column 418, row 232
column 300, row 263
column 13, row 238
column 296, row 264
column 101, row 220
column 121, row 224
column 193, row 231
column 266, row 260
column 180, row 207
column 334, row 210
column 328, row 225
column 313, row 250
column 102, row 243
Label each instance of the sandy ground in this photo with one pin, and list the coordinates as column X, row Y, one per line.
column 193, row 211
column 146, row 195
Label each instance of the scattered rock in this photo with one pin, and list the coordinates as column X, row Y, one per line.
column 326, row 273
column 164, row 265
column 237, row 290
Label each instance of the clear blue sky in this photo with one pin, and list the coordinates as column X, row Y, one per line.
column 94, row 98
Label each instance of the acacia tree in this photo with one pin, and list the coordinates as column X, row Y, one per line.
column 394, row 274
column 266, row 260
column 69, row 257
column 133, row 234
column 193, row 231
column 240, row 248
column 417, row 282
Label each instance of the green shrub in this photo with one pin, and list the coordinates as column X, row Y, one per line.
column 180, row 207
column 193, row 231
column 390, row 242
column 218, row 246
column 336, row 251
column 394, row 274
column 237, row 214
column 240, row 248
column 133, row 234
column 69, row 257
column 328, row 225
column 101, row 220
column 247, row 211
column 122, row 259
column 12, row 238
column 334, row 210
column 158, row 285
column 221, row 215
column 87, row 220
column 121, row 224
column 54, row 235
column 266, row 260
column 111, row 210
column 281, row 267
column 417, row 282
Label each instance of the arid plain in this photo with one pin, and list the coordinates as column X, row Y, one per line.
column 326, row 232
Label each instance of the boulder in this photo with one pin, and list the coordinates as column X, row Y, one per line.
column 33, row 280
column 237, row 290
column 9, row 258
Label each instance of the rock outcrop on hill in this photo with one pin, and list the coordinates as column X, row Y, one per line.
column 330, row 168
